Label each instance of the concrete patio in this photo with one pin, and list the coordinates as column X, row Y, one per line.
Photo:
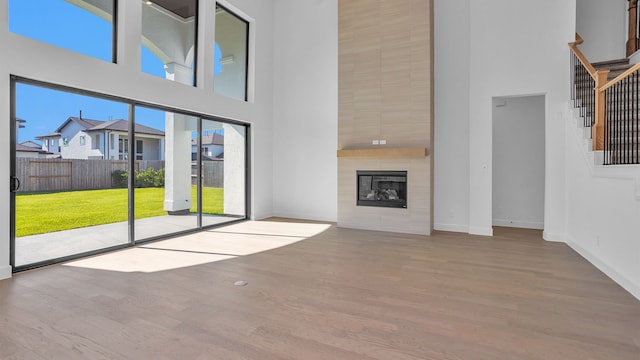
column 42, row 247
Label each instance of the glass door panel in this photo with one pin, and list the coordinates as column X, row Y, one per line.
column 222, row 151
column 68, row 203
column 163, row 190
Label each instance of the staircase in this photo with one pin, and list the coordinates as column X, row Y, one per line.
column 615, row 67
column 622, row 109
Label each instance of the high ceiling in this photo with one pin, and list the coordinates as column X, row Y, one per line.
column 182, row 8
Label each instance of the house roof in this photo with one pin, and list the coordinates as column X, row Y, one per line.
column 123, row 125
column 55, row 134
column 24, row 148
column 30, row 143
column 210, row 139
column 99, row 125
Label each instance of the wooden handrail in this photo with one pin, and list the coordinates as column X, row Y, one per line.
column 579, row 40
column 582, row 58
column 600, row 79
column 620, row 77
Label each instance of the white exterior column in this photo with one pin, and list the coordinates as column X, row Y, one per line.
column 179, row 73
column 234, row 169
column 177, row 189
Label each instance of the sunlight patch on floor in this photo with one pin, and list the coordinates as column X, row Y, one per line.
column 218, row 244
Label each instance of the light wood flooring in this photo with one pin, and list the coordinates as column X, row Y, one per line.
column 341, row 294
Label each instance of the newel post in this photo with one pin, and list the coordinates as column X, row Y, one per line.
column 600, row 111
column 632, row 42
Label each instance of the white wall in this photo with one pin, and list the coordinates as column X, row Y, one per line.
column 451, row 115
column 537, row 44
column 44, row 62
column 500, row 47
column 603, row 26
column 598, row 216
column 518, row 162
column 603, row 212
column 306, row 109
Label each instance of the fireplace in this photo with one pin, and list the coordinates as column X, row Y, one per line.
column 382, row 188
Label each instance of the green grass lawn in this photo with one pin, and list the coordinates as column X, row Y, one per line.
column 39, row 213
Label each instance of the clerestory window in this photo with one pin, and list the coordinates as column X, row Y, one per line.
column 82, row 26
column 230, row 54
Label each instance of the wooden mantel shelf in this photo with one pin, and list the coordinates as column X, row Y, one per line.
column 382, row 152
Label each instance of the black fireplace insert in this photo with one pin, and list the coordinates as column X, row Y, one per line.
column 382, row 188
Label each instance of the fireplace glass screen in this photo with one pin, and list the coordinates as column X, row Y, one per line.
column 382, row 188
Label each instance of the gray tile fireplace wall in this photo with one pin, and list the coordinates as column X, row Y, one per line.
column 385, row 89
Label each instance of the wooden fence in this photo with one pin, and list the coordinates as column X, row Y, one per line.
column 212, row 173
column 72, row 174
column 76, row 174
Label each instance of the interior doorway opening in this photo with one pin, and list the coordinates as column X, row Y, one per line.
column 518, row 161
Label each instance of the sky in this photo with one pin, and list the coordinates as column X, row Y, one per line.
column 81, row 31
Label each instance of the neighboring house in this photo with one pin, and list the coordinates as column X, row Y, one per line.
column 79, row 138
column 32, row 144
column 31, row 150
column 28, row 149
column 212, row 146
column 51, row 143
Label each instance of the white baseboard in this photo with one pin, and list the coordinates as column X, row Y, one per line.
column 5, row 272
column 519, row 224
column 480, row 231
column 554, row 237
column 451, row 227
column 626, row 283
column 260, row 216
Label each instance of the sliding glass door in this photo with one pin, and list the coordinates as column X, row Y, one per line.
column 92, row 173
column 66, row 202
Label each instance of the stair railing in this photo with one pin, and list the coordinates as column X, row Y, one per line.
column 622, row 118
column 610, row 108
column 586, row 81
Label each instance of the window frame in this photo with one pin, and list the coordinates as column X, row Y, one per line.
column 246, row 48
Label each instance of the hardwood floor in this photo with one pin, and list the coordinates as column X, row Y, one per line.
column 341, row 294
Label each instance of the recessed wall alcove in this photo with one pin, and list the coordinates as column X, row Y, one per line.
column 385, row 109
